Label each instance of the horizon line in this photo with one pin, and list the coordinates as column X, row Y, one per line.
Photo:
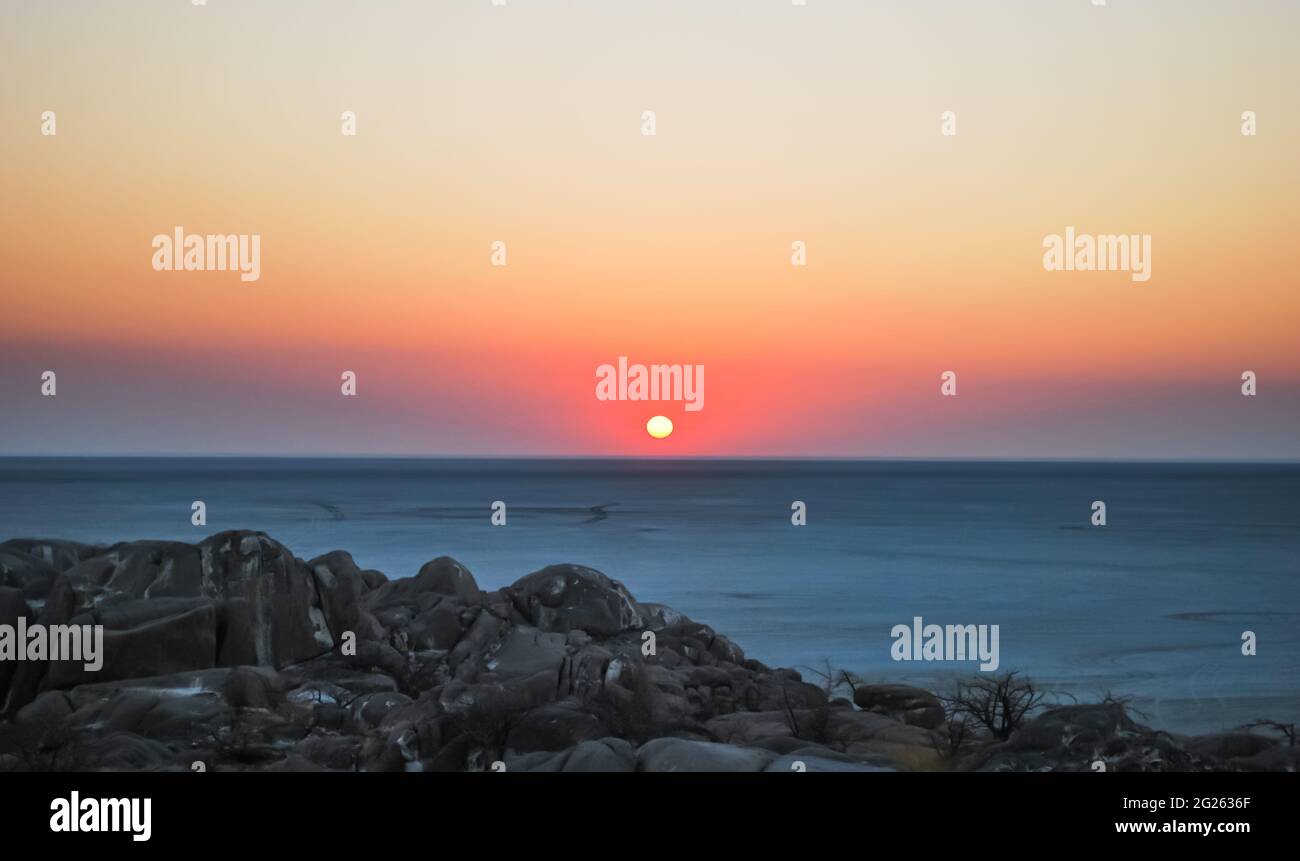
column 641, row 457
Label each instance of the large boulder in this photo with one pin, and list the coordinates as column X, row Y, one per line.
column 441, row 577
column 525, row 651
column 330, row 751
column 554, row 726
column 753, row 727
column 446, row 576
column 438, row 627
column 59, row 553
column 561, row 598
column 267, row 599
column 495, row 702
column 1079, row 726
column 235, row 598
column 370, row 710
column 156, row 713
column 186, row 641
column 469, row 656
column 341, row 585
column 251, row 688
column 680, row 754
column 1229, row 745
column 289, row 623
column 910, row 705
column 599, row 755
column 700, row 644
column 29, row 575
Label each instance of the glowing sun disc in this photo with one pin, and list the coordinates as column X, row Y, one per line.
column 659, row 427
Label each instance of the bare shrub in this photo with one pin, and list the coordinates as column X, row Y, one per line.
column 834, row 681
column 1287, row 730
column 949, row 739
column 998, row 704
column 813, row 727
column 487, row 723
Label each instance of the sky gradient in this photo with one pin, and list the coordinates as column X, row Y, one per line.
column 775, row 123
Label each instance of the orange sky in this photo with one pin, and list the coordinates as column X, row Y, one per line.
column 775, row 123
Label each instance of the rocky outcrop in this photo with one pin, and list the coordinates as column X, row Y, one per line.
column 31, row 565
column 234, row 653
column 563, row 598
column 236, row 598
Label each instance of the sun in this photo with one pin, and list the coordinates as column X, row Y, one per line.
column 659, row 427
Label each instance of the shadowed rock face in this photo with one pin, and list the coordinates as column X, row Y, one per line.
column 236, row 598
column 235, row 653
column 32, row 564
column 908, row 704
column 565, row 598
